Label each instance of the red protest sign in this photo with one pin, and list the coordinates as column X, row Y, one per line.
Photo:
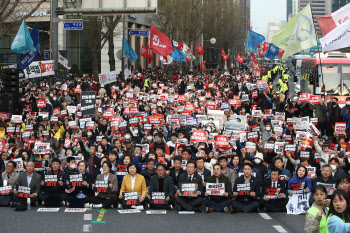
column 199, row 136
column 134, row 110
column 2, row 145
column 182, row 98
column 41, row 103
column 315, row 99
column 108, row 113
column 189, row 107
column 4, row 115
column 119, row 136
column 305, row 143
column 235, row 102
column 303, row 97
column 56, row 111
column 255, row 94
column 155, row 120
column 221, row 141
column 340, row 128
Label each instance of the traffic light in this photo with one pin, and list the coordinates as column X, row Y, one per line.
column 10, row 95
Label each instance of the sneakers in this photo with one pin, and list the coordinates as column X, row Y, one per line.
column 97, row 206
column 120, row 206
column 171, row 207
column 87, row 205
column 226, row 209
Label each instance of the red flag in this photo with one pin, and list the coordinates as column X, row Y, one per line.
column 259, row 45
column 239, row 58
column 203, row 66
column 143, row 51
column 248, row 27
column 148, row 55
column 223, row 54
column 266, row 46
column 200, row 50
column 261, row 53
column 280, row 52
column 160, row 43
column 180, row 46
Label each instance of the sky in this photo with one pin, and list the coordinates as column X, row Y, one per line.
column 263, row 10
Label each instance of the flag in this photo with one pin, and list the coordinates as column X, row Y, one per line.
column 200, row 50
column 297, row 34
column 328, row 22
column 280, row 52
column 266, row 46
column 160, row 43
column 166, row 61
column 337, row 38
column 187, row 52
column 261, row 53
column 248, row 27
column 128, row 52
column 180, row 46
column 272, row 52
column 23, row 41
column 253, row 40
column 177, row 55
column 143, row 52
column 239, row 58
column 175, row 44
column 223, row 54
column 148, row 55
column 63, row 61
column 203, row 66
column 26, row 58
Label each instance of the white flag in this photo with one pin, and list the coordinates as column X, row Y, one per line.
column 338, row 38
column 187, row 52
column 63, row 61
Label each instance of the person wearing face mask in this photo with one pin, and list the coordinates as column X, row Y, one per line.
column 158, row 142
column 265, row 129
column 71, row 168
column 346, row 108
column 336, row 170
column 323, row 152
column 259, row 164
column 171, row 144
column 54, row 101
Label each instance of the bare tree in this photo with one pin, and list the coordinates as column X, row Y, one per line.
column 9, row 17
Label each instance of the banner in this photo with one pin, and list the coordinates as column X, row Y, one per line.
column 329, row 22
column 253, row 40
column 39, row 69
column 26, row 58
column 128, row 51
column 63, row 61
column 199, row 136
column 177, row 55
column 337, row 39
column 272, row 52
column 23, row 41
column 106, row 78
column 88, row 102
column 160, row 43
column 297, row 34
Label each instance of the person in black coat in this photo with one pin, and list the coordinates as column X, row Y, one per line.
column 161, row 183
column 78, row 193
column 217, row 202
column 53, row 195
column 176, row 171
column 245, row 191
column 273, row 196
column 189, row 200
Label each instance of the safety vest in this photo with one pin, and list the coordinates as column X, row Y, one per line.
column 284, row 87
column 269, row 73
column 322, row 228
column 286, row 77
column 280, row 82
column 146, row 83
column 265, row 77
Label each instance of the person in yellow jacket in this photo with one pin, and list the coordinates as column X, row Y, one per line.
column 58, row 132
column 2, row 130
column 284, row 88
column 286, row 77
column 316, row 217
column 146, row 82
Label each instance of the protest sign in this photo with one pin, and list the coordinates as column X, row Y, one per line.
column 215, row 189
column 88, row 102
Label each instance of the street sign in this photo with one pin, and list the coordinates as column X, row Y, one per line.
column 139, row 33
column 73, row 26
column 46, row 55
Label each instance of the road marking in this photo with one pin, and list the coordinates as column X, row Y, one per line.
column 280, row 229
column 87, row 228
column 265, row 216
column 87, row 217
column 100, row 216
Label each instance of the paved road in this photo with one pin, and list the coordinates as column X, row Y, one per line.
column 32, row 221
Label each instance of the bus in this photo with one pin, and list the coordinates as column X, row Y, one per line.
column 296, row 63
column 334, row 76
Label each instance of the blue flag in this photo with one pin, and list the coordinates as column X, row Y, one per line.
column 26, row 58
column 272, row 52
column 128, row 52
column 22, row 42
column 177, row 55
column 253, row 40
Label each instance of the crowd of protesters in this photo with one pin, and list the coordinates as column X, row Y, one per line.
column 145, row 148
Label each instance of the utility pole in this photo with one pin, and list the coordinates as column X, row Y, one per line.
column 54, row 38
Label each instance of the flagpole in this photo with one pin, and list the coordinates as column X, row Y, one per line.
column 318, row 49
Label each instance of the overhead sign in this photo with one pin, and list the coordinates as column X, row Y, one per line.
column 139, row 33
column 73, row 26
